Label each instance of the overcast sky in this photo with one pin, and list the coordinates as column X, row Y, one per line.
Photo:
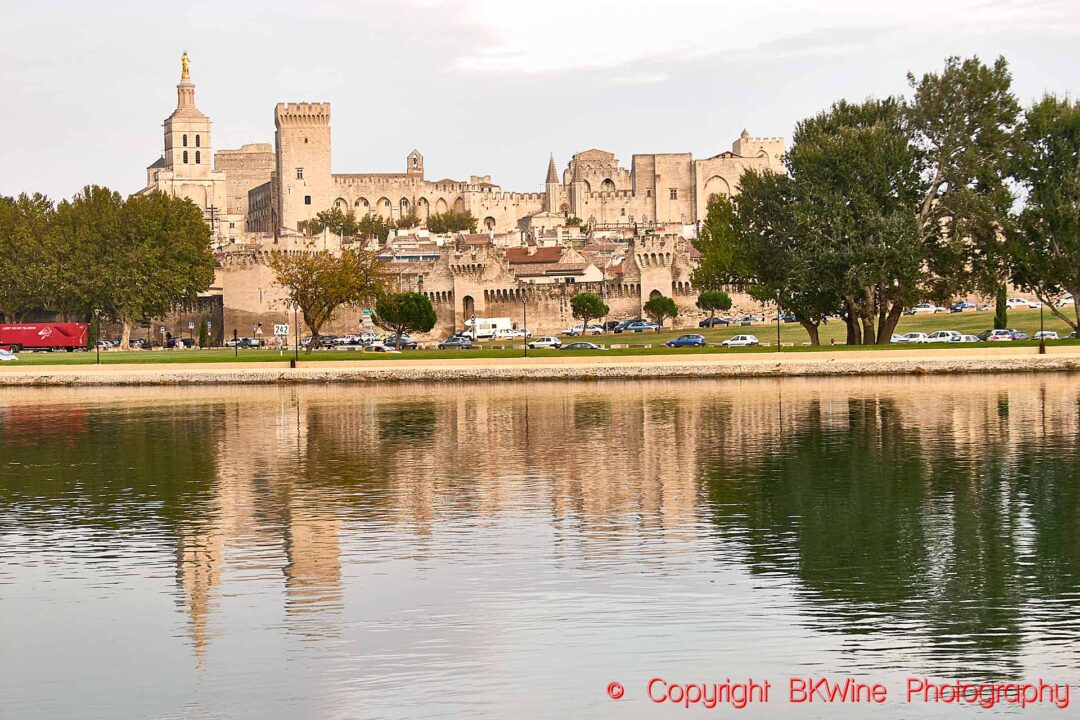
column 478, row 86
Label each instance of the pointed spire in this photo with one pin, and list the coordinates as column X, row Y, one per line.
column 552, row 176
column 745, row 134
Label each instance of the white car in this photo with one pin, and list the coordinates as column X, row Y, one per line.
column 577, row 330
column 1046, row 335
column 7, row 356
column 545, row 342
column 965, row 339
column 512, row 334
column 912, row 337
column 943, row 336
column 1013, row 303
column 927, row 308
column 1066, row 301
column 999, row 336
column 741, row 341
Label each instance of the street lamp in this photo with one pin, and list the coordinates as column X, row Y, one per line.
column 525, row 319
column 97, row 334
column 777, row 321
column 296, row 325
column 1042, row 334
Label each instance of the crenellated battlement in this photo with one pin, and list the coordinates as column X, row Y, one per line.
column 302, row 113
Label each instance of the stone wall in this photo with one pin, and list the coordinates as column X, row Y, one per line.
column 245, row 169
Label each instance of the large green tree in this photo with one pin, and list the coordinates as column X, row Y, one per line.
column 27, row 264
column 319, row 283
column 333, row 219
column 163, row 259
column 712, row 300
column 588, row 306
column 1045, row 248
column 405, row 312
column 962, row 122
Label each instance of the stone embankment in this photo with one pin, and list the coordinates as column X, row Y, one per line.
column 640, row 367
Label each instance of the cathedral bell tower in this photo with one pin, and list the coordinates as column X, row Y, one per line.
column 187, row 131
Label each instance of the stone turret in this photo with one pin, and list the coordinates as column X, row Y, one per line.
column 551, row 188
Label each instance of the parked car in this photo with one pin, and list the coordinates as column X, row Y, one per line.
column 1022, row 303
column 961, row 306
column 512, row 334
column 7, row 356
column 545, row 342
column 611, row 325
column 996, row 335
column 746, row 320
column 741, row 341
column 714, row 321
column 170, row 344
column 1071, row 336
column 1066, row 301
column 686, row 341
column 912, row 338
column 623, row 324
column 1046, row 335
column 942, row 336
column 456, row 343
column 926, row 308
column 581, row 346
column 641, row 326
column 788, row 318
column 407, row 343
column 368, row 336
column 965, row 339
column 577, row 330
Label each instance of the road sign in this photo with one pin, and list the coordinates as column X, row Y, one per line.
column 191, row 326
column 366, row 313
column 162, row 330
column 281, row 330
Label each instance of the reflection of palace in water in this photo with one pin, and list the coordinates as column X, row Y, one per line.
column 970, row 492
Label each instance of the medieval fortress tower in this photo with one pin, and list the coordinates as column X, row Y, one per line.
column 640, row 220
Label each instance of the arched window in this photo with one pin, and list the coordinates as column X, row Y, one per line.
column 198, row 158
column 198, row 142
column 185, row 139
column 185, row 157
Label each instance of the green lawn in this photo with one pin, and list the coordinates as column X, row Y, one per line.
column 967, row 322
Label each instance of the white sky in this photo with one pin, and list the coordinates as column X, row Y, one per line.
column 478, row 86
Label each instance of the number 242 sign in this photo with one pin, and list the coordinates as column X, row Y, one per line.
column 281, row 330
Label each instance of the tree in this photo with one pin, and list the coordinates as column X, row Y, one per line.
column 333, row 219
column 204, row 332
column 718, row 243
column 962, row 122
column 408, row 221
column 1045, row 247
column 451, row 221
column 712, row 300
column 405, row 312
column 660, row 308
column 588, row 306
column 373, row 227
column 27, row 267
column 319, row 283
column 163, row 259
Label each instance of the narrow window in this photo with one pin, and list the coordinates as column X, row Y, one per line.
column 299, row 173
column 198, row 157
column 185, row 139
column 198, row 142
column 185, row 157
column 307, row 199
column 674, row 193
column 648, row 193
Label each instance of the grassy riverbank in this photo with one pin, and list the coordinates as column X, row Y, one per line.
column 791, row 337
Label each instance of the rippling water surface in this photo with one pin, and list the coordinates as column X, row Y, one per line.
column 507, row 551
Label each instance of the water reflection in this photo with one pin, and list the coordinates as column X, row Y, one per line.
column 321, row 546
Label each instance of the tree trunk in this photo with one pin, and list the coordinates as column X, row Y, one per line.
column 125, row 332
column 1001, row 309
column 812, row 331
column 885, row 330
column 397, row 340
column 869, row 337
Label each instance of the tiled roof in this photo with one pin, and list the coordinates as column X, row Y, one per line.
column 519, row 256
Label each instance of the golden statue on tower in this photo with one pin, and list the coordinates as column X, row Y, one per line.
column 185, row 67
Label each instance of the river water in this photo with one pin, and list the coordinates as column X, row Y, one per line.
column 498, row 551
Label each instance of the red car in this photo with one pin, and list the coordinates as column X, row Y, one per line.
column 43, row 336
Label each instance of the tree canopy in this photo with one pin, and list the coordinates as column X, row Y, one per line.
column 319, row 283
column 660, row 308
column 405, row 312
column 451, row 221
column 588, row 306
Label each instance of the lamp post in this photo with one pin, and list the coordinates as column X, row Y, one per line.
column 97, row 334
column 1042, row 335
column 777, row 321
column 296, row 325
column 525, row 319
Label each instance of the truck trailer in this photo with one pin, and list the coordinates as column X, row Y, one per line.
column 43, row 336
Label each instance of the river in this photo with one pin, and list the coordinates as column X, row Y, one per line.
column 495, row 551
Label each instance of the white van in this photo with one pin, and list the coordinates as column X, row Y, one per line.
column 487, row 328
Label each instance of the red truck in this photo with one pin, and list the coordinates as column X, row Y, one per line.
column 43, row 336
